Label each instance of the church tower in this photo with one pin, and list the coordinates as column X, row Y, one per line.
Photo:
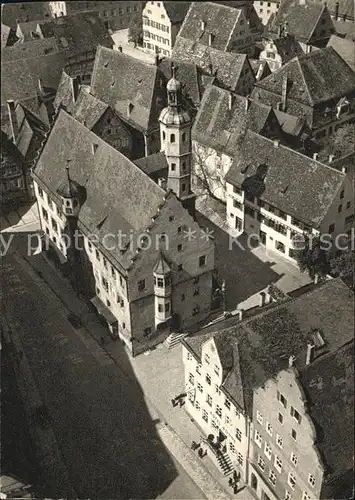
column 175, row 137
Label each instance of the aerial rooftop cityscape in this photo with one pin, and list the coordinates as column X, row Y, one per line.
column 177, row 250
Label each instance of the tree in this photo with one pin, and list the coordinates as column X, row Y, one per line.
column 208, row 173
column 310, row 256
column 135, row 32
column 342, row 142
column 342, row 264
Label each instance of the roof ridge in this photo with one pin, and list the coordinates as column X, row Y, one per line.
column 304, row 79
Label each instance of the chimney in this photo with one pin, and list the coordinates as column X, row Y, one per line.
column 291, row 360
column 331, row 158
column 203, row 25
column 284, row 93
column 74, row 83
column 13, row 120
column 94, row 148
column 247, row 104
column 262, row 299
column 120, row 48
column 336, row 15
column 130, row 107
column 276, row 143
column 162, row 183
column 316, row 279
column 230, row 100
column 210, row 39
column 310, row 353
column 315, row 156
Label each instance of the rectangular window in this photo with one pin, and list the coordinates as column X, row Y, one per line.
column 261, row 463
column 202, row 261
column 279, row 441
column 191, row 379
column 207, row 359
column 218, row 391
column 288, row 495
column 312, row 480
column 249, row 211
column 306, row 496
column 237, row 204
column 258, row 439
column 280, row 418
column 208, row 379
column 147, row 331
column 294, row 434
column 227, row 420
column 294, row 459
column 268, row 451
column 141, row 285
column 295, row 414
column 205, row 415
column 198, row 369
column 291, row 480
column 227, row 404
column 269, row 428
column 240, row 458
column 278, row 464
column 237, row 191
column 197, row 406
column 200, row 387
column 219, row 411
column 45, row 214
column 208, row 399
column 272, row 477
column 259, row 417
column 282, row 399
column 238, row 434
column 216, row 370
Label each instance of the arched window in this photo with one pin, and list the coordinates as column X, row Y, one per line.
column 172, row 137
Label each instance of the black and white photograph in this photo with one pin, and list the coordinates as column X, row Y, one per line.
column 177, row 250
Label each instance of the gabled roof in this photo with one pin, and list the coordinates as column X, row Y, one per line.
column 266, row 341
column 176, row 10
column 120, row 80
column 78, row 33
column 345, row 48
column 222, row 129
column 28, row 30
column 7, row 35
column 226, row 67
column 154, row 165
column 88, row 109
column 219, row 20
column 161, row 266
column 119, row 195
column 291, row 125
column 308, row 200
column 64, row 95
column 30, row 49
column 260, row 69
column 346, row 7
column 287, row 47
column 32, row 131
column 302, row 18
column 312, row 78
column 24, row 12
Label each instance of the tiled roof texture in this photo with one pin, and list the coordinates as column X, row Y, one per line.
column 308, row 200
column 301, row 18
column 5, row 33
column 188, row 75
column 291, row 125
column 265, row 342
column 219, row 21
column 329, row 386
column 345, row 48
column 120, row 80
column 345, row 7
column 225, row 66
column 153, row 165
column 222, row 129
column 30, row 49
column 79, row 33
column 88, row 109
column 288, row 47
column 176, row 10
column 260, row 69
column 119, row 195
column 312, row 78
column 64, row 95
column 25, row 11
column 345, row 29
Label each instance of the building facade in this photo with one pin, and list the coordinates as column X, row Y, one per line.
column 161, row 23
column 250, row 209
column 214, row 409
column 266, row 9
column 115, row 15
column 14, row 174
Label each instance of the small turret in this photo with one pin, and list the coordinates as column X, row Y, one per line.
column 162, row 291
column 69, row 192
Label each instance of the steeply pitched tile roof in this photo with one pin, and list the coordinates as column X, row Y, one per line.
column 155, row 165
column 32, row 131
column 5, row 34
column 346, row 7
column 79, row 33
column 64, row 95
column 312, row 78
column 345, row 48
column 30, row 49
column 287, row 47
column 176, row 10
column 25, row 11
column 266, row 341
column 260, row 69
column 88, row 109
column 222, row 129
column 188, row 75
column 219, row 21
column 301, row 18
column 345, row 29
column 308, row 200
column 226, row 67
column 329, row 386
column 120, row 80
column 291, row 125
column 120, row 196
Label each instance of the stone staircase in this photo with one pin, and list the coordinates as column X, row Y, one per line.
column 225, row 464
column 174, row 339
